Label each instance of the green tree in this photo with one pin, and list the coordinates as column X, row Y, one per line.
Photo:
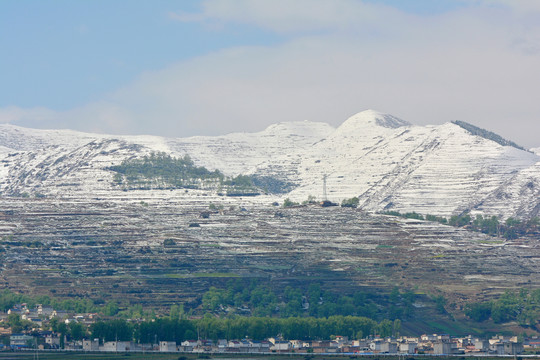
column 111, row 308
column 288, row 203
column 352, row 202
column 440, row 302
column 460, row 220
column 53, row 324
column 114, row 330
column 176, row 312
column 62, row 329
column 385, row 328
column 15, row 323
column 478, row 311
column 397, row 327
column 76, row 330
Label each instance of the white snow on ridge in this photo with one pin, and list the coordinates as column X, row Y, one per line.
column 237, row 153
column 385, row 161
column 430, row 169
column 23, row 139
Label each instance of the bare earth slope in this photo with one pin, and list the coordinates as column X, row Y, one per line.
column 107, row 248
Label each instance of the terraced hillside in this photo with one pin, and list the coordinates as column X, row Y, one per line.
column 160, row 253
column 388, row 163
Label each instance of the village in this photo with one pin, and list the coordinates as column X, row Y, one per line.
column 37, row 335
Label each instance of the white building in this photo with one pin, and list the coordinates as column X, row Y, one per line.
column 52, row 340
column 222, row 344
column 115, row 346
column 20, row 339
column 167, row 346
column 408, row 347
column 280, row 346
column 389, row 347
column 481, row 345
column 442, row 348
column 428, row 337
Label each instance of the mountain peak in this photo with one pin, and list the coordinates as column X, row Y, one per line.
column 381, row 119
column 371, row 119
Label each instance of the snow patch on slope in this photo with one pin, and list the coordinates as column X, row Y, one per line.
column 385, row 161
column 429, row 169
column 24, row 139
column 238, row 153
column 518, row 196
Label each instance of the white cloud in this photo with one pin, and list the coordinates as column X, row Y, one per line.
column 13, row 114
column 286, row 16
column 95, row 117
column 477, row 64
column 186, row 17
column 521, row 6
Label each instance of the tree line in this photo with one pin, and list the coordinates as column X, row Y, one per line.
column 159, row 170
column 162, row 170
column 522, row 306
column 239, row 327
column 510, row 229
column 486, row 134
column 259, row 299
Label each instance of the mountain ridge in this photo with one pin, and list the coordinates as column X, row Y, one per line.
column 390, row 164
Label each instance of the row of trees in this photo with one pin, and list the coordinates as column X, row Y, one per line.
column 257, row 328
column 486, row 134
column 160, row 170
column 261, row 300
column 252, row 298
column 352, row 202
column 522, row 306
column 511, row 228
column 247, row 298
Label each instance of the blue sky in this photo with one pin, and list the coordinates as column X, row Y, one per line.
column 181, row 68
column 62, row 54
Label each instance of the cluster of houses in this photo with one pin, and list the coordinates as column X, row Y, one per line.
column 42, row 314
column 39, row 318
column 425, row 344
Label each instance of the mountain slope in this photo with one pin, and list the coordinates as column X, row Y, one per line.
column 385, row 161
column 68, row 163
column 239, row 152
column 432, row 169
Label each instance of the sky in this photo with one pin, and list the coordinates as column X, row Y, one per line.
column 211, row 67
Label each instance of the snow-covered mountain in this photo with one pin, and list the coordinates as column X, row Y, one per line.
column 394, row 165
column 385, row 161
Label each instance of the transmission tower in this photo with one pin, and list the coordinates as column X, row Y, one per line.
column 324, row 187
